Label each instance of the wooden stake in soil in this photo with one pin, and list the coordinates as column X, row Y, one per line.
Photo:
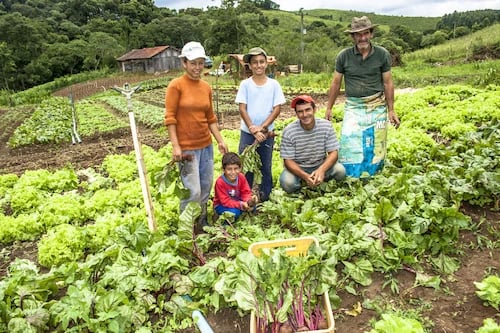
column 148, row 203
column 75, row 137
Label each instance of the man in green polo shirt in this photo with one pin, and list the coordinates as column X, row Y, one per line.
column 369, row 90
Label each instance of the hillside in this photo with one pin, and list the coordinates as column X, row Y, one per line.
column 63, row 38
column 343, row 17
column 479, row 45
column 325, row 36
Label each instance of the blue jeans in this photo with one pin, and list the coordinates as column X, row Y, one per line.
column 291, row 183
column 197, row 176
column 221, row 209
column 265, row 151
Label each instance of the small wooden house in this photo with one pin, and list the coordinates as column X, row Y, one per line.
column 150, row 60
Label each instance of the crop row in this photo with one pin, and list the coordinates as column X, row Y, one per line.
column 108, row 272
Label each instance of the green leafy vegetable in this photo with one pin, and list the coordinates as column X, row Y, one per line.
column 391, row 323
column 489, row 326
column 489, row 290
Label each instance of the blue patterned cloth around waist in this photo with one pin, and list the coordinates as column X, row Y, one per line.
column 363, row 140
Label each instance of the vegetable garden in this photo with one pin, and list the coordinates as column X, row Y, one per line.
column 413, row 249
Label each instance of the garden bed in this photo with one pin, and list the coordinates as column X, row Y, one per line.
column 452, row 308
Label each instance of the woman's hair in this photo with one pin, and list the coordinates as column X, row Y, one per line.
column 230, row 158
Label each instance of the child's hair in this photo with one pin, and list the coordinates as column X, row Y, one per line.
column 230, row 158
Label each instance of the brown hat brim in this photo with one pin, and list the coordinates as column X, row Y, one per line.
column 253, row 52
column 361, row 29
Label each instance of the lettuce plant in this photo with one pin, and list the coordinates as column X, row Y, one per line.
column 392, row 323
column 489, row 290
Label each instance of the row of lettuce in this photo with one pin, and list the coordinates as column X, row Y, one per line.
column 107, row 272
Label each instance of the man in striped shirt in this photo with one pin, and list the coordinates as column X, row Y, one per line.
column 309, row 148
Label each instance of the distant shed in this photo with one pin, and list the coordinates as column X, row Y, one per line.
column 150, row 60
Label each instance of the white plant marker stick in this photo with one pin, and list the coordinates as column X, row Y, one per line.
column 148, row 203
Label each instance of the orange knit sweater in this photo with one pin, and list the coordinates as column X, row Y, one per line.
column 188, row 105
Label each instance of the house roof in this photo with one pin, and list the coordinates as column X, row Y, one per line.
column 145, row 53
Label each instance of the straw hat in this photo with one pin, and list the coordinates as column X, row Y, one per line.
column 360, row 24
column 253, row 52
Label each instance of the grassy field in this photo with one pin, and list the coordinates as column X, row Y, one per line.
column 457, row 50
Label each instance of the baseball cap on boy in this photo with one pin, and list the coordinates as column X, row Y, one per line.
column 305, row 98
column 193, row 50
column 253, row 52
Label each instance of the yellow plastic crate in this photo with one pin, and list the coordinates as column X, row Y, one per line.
column 294, row 247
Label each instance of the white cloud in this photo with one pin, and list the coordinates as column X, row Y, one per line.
column 394, row 7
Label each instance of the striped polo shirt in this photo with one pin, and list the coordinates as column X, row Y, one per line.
column 308, row 148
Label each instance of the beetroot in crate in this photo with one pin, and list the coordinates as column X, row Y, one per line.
column 298, row 301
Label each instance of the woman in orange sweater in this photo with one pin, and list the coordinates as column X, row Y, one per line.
column 190, row 120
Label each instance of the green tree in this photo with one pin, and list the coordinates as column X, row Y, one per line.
column 438, row 37
column 226, row 31
column 316, row 25
column 469, row 19
column 100, row 24
column 27, row 10
column 395, row 48
column 175, row 31
column 191, row 11
column 33, row 74
column 71, row 30
column 476, row 27
column 337, row 35
column 319, row 54
column 460, row 31
column 138, row 11
column 102, row 51
column 266, row 4
column 64, row 58
column 81, row 12
column 247, row 6
column 25, row 38
column 412, row 39
column 7, row 66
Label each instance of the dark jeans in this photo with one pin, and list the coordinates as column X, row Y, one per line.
column 265, row 151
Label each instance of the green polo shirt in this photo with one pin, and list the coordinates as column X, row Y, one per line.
column 363, row 77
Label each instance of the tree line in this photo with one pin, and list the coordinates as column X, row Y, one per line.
column 41, row 40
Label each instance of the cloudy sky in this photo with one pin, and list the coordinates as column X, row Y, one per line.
column 392, row 7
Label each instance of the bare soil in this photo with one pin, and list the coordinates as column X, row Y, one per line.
column 453, row 308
